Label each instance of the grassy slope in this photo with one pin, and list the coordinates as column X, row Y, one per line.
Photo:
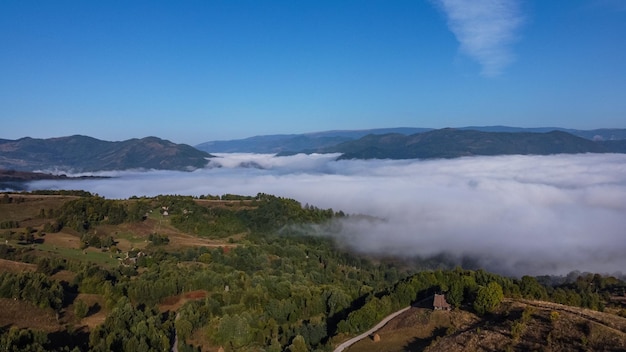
column 550, row 327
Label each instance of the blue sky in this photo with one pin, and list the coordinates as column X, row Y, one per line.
column 194, row 71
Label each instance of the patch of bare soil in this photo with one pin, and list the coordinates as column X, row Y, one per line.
column 16, row 267
column 64, row 275
column 186, row 240
column 141, row 230
column 547, row 327
column 63, row 240
column 173, row 303
column 26, row 207
column 96, row 314
column 414, row 330
column 23, row 314
column 550, row 327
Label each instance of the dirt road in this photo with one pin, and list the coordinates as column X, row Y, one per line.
column 382, row 323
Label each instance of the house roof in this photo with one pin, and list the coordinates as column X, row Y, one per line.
column 440, row 302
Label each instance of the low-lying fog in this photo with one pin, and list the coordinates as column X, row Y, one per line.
column 518, row 214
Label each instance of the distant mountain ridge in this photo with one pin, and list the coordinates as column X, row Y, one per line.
column 86, row 154
column 294, row 143
column 75, row 154
column 453, row 143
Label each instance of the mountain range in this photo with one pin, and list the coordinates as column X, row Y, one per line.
column 453, row 143
column 294, row 143
column 76, row 154
column 86, row 154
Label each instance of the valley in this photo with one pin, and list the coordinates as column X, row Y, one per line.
column 150, row 266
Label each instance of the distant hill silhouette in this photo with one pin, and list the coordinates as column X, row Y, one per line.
column 295, row 143
column 281, row 143
column 453, row 143
column 86, row 154
column 83, row 154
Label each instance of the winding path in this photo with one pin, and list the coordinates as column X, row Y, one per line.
column 382, row 323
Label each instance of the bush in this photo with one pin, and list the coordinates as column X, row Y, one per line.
column 80, row 309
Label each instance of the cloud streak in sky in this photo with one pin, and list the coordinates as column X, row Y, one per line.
column 511, row 214
column 485, row 29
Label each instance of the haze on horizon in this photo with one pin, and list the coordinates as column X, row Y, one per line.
column 514, row 215
column 191, row 72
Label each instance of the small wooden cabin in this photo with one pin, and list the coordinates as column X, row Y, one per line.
column 440, row 303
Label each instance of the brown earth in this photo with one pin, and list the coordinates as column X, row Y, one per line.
column 23, row 314
column 64, row 275
column 548, row 327
column 16, row 267
column 30, row 205
column 414, row 330
column 63, row 239
column 96, row 315
column 173, row 303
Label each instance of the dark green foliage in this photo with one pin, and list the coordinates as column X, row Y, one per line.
column 62, row 192
column 9, row 224
column 48, row 266
column 80, row 309
column 130, row 328
column 453, row 143
column 83, row 213
column 236, row 197
column 273, row 213
column 158, row 240
column 488, row 298
column 23, row 340
column 531, row 289
column 52, row 227
column 36, row 288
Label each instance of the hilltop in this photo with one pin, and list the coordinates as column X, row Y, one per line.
column 86, row 154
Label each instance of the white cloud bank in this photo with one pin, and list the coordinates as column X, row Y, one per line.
column 518, row 214
column 485, row 29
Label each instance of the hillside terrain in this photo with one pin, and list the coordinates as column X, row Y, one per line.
column 452, row 143
column 517, row 325
column 85, row 154
column 241, row 273
column 293, row 143
column 76, row 154
column 308, row 142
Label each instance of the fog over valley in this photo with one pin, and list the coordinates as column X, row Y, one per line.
column 510, row 214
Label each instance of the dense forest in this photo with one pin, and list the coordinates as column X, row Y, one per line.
column 268, row 282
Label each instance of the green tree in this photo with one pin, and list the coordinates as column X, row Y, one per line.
column 298, row 345
column 488, row 298
column 80, row 309
column 455, row 294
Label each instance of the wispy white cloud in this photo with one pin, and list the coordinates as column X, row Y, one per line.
column 510, row 214
column 485, row 29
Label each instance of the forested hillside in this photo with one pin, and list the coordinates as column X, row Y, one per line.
column 453, row 143
column 211, row 273
column 86, row 154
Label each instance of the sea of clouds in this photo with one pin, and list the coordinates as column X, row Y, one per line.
column 512, row 214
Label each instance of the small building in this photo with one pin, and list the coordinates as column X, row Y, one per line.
column 440, row 303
